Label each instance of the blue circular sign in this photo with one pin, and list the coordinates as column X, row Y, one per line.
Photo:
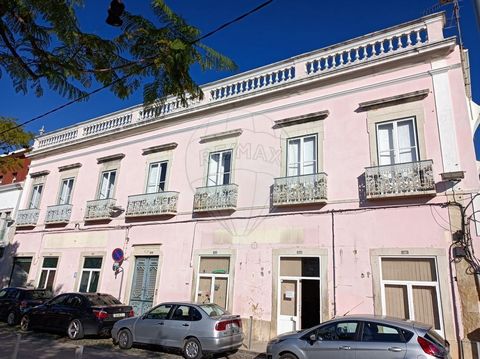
column 117, row 255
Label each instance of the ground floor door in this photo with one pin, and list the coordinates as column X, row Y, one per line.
column 299, row 304
column 143, row 285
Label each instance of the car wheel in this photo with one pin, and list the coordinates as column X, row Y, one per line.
column 192, row 349
column 125, row 339
column 11, row 319
column 75, row 329
column 288, row 356
column 25, row 323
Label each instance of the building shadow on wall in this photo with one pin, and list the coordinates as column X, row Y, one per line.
column 6, row 263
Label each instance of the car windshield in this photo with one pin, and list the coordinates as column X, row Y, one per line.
column 103, row 299
column 213, row 310
column 37, row 294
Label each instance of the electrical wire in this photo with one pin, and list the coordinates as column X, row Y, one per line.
column 221, row 27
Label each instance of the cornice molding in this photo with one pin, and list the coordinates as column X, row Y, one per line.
column 69, row 167
column 309, row 117
column 221, row 135
column 393, row 100
column 166, row 147
column 115, row 157
column 39, row 173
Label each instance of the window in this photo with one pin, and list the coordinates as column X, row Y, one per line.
column 36, row 196
column 338, row 331
column 160, row 312
column 14, row 177
column 182, row 312
column 1, row 179
column 66, row 191
column 212, row 280
column 302, row 155
column 410, row 290
column 219, row 168
column 59, row 300
column 4, row 223
column 107, row 184
column 157, row 173
column 397, row 142
column 90, row 274
column 47, row 276
column 375, row 332
column 20, row 270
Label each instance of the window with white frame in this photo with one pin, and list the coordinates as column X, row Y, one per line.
column 219, row 168
column 36, row 196
column 66, row 189
column 302, row 155
column 90, row 274
column 107, row 184
column 157, row 174
column 213, row 280
column 47, row 275
column 397, row 142
column 410, row 290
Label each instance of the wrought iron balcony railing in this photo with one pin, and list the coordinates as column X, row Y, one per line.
column 152, row 204
column 27, row 217
column 99, row 209
column 215, row 198
column 305, row 189
column 403, row 179
column 58, row 214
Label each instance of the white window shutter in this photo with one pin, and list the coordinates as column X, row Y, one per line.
column 153, row 178
column 385, row 147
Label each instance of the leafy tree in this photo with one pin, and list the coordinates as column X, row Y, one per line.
column 13, row 137
column 42, row 46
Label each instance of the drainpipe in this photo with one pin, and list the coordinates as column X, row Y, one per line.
column 333, row 268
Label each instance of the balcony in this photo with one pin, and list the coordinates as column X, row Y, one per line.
column 99, row 209
column 216, row 198
column 58, row 214
column 152, row 204
column 400, row 180
column 27, row 217
column 298, row 190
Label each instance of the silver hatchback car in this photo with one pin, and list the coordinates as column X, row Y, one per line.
column 197, row 329
column 361, row 337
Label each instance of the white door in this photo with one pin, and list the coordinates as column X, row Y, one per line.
column 299, row 303
column 289, row 305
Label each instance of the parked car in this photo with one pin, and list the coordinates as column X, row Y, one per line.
column 194, row 328
column 361, row 337
column 14, row 302
column 77, row 314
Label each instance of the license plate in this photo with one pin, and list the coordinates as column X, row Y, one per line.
column 118, row 315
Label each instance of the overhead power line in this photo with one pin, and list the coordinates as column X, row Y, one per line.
column 71, row 102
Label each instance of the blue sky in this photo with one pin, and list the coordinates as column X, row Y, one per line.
column 283, row 29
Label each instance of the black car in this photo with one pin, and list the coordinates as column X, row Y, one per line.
column 77, row 314
column 14, row 302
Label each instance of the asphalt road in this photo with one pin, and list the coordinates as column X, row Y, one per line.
column 38, row 345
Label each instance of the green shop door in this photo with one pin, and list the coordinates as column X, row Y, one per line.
column 143, row 286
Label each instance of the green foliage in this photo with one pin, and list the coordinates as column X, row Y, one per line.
column 42, row 45
column 12, row 138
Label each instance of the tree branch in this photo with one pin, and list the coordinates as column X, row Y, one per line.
column 4, row 37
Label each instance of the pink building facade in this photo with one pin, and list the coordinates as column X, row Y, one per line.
column 310, row 188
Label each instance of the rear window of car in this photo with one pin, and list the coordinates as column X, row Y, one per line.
column 213, row 310
column 37, row 294
column 103, row 299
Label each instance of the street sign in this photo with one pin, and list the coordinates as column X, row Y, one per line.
column 117, row 255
